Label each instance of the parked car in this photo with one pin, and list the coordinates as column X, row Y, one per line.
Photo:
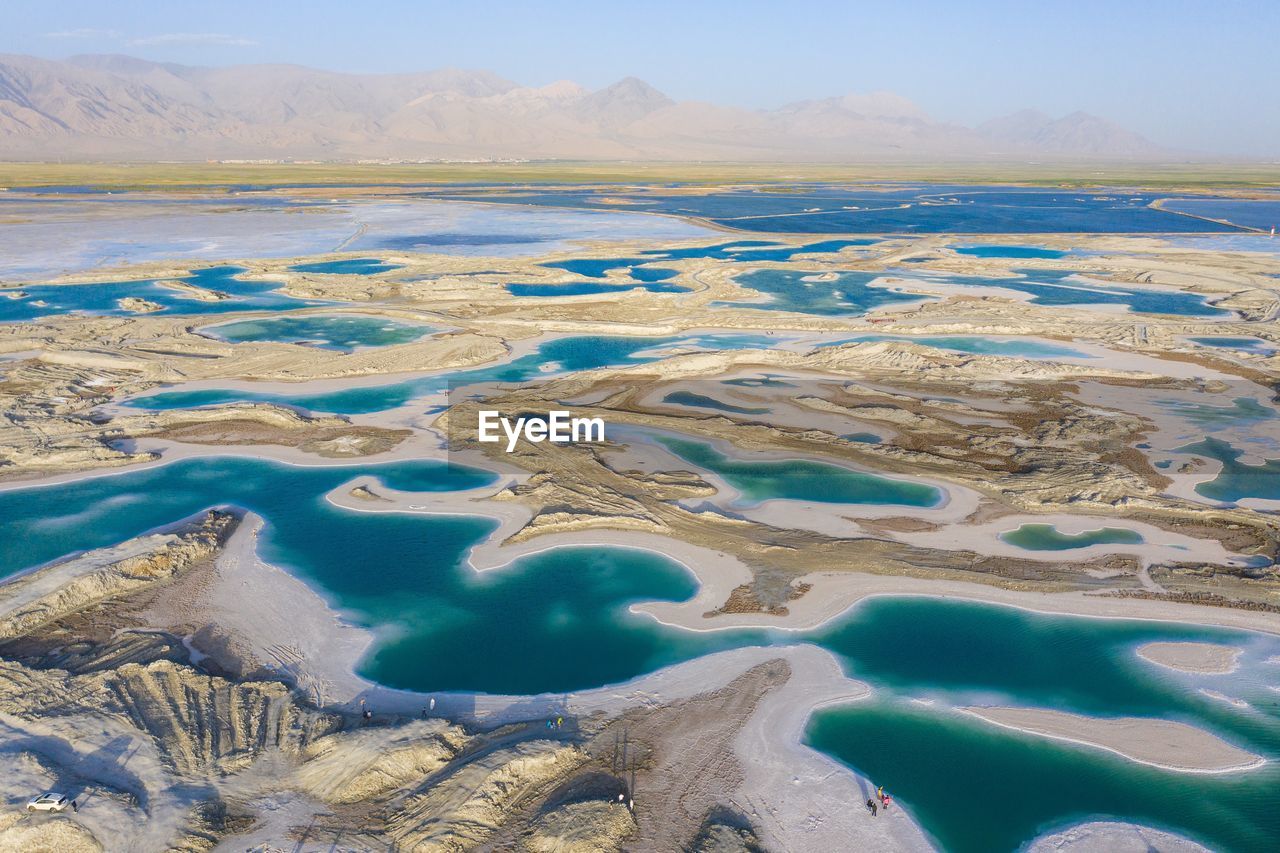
column 50, row 802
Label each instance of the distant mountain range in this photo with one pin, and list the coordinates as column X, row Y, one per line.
column 119, row 107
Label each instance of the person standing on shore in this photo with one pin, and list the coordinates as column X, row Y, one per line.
column 871, row 806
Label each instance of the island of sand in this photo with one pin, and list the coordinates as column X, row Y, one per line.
column 1202, row 658
column 1159, row 743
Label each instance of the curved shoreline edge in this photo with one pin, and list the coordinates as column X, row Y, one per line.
column 1062, row 726
column 781, row 773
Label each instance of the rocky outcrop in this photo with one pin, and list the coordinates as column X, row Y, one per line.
column 583, row 827
column 52, row 835
column 202, row 723
column 61, row 589
column 463, row 811
column 367, row 764
column 259, row 423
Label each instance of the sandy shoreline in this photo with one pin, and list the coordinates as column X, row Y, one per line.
column 833, row 594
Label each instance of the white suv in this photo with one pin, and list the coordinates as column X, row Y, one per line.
column 49, row 802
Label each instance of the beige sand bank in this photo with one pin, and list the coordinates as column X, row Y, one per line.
column 1109, row 837
column 1207, row 658
column 1159, row 743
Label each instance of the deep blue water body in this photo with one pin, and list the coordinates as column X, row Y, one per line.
column 802, row 479
column 562, row 355
column 747, row 251
column 1054, row 287
column 588, row 288
column 601, row 267
column 1263, row 214
column 1010, row 252
column 895, row 209
column 347, row 266
column 100, row 298
column 1236, row 343
column 743, row 251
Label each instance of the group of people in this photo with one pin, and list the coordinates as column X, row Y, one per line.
column 555, row 722
column 880, row 801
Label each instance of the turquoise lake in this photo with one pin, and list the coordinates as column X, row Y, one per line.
column 1237, row 480
column 342, row 332
column 445, row 627
column 601, row 267
column 101, row 297
column 555, row 356
column 839, row 294
column 1236, row 343
column 801, row 479
column 1046, row 537
column 1009, row 252
column 978, row 789
column 975, row 787
column 558, row 621
column 1056, row 287
column 584, row 288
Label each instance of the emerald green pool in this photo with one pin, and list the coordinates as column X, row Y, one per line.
column 1237, row 480
column 342, row 332
column 555, row 621
column 802, row 480
column 975, row 788
column 1046, row 537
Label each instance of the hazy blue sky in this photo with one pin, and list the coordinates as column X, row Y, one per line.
column 1202, row 75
